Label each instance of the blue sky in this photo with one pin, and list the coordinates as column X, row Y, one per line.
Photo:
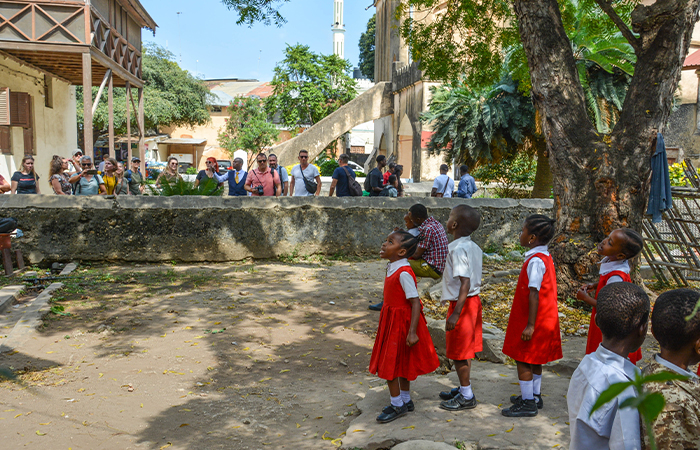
column 213, row 46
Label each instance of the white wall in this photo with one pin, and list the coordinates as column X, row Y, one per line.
column 55, row 129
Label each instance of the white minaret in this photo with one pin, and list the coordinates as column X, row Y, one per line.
column 338, row 29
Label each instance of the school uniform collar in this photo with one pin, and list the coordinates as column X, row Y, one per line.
column 607, row 266
column 392, row 267
column 669, row 365
column 616, row 362
column 538, row 249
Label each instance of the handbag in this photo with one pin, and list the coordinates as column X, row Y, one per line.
column 309, row 185
column 353, row 186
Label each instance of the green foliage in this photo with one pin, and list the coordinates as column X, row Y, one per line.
column 252, row 11
column 172, row 96
column 207, row 187
column 367, row 40
column 191, row 170
column 307, row 87
column 677, row 174
column 327, row 167
column 510, row 174
column 649, row 404
column 247, row 128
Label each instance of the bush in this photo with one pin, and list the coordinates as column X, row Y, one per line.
column 207, row 187
column 677, row 174
column 511, row 175
column 328, row 167
column 191, row 170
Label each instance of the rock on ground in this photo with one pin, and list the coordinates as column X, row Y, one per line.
column 423, row 445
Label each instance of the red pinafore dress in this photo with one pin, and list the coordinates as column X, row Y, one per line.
column 595, row 336
column 391, row 357
column 545, row 345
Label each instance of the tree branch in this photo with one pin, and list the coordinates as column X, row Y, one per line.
column 634, row 41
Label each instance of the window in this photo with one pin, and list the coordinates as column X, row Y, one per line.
column 16, row 111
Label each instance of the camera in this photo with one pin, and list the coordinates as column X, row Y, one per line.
column 260, row 190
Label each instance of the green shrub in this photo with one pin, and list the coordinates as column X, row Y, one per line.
column 511, row 175
column 191, row 170
column 207, row 187
column 677, row 174
column 328, row 167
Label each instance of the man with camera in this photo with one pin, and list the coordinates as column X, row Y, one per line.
column 263, row 182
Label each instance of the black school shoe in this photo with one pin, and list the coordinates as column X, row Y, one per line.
column 410, row 406
column 515, row 399
column 449, row 395
column 458, row 403
column 391, row 413
column 376, row 307
column 526, row 408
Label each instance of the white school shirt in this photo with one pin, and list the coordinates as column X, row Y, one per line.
column 536, row 268
column 464, row 259
column 407, row 282
column 439, row 185
column 607, row 266
column 414, row 231
column 609, row 426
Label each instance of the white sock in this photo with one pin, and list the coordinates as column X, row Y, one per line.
column 466, row 392
column 526, row 390
column 536, row 384
column 396, row 401
column 406, row 396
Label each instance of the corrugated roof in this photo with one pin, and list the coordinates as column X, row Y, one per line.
column 190, row 141
column 239, row 89
column 692, row 62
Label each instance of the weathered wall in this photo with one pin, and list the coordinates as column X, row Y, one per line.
column 58, row 228
column 681, row 131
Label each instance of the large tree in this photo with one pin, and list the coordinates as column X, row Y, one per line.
column 308, row 86
column 367, row 48
column 247, row 127
column 172, row 97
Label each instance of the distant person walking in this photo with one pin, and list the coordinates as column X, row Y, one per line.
column 236, row 178
column 443, row 186
column 24, row 181
column 374, row 184
column 263, row 182
column 281, row 172
column 306, row 179
column 467, row 185
column 341, row 177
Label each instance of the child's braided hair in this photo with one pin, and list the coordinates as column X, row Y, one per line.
column 409, row 242
column 633, row 243
column 541, row 226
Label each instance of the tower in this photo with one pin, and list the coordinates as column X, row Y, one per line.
column 338, row 29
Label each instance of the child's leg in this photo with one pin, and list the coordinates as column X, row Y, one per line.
column 405, row 387
column 537, row 379
column 463, row 369
column 525, row 380
column 397, row 408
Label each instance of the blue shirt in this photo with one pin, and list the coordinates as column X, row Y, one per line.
column 341, row 187
column 467, row 187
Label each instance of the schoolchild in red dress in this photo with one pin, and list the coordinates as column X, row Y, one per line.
column 461, row 284
column 619, row 247
column 403, row 348
column 532, row 336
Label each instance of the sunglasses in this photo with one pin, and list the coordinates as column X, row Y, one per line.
column 304, row 157
column 78, row 154
column 262, row 160
column 86, row 165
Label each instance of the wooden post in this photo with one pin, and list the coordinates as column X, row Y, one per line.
column 87, row 105
column 142, row 133
column 128, row 126
column 110, row 107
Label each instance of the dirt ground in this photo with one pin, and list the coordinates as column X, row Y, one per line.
column 237, row 356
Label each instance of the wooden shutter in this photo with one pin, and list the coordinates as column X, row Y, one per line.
column 4, row 106
column 28, row 141
column 5, row 141
column 20, row 109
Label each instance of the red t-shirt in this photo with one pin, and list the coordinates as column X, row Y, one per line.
column 267, row 179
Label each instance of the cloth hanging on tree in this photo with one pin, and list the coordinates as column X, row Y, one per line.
column 660, row 199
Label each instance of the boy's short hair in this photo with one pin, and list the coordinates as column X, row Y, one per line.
column 419, row 211
column 621, row 309
column 463, row 169
column 668, row 319
column 380, row 158
column 391, row 179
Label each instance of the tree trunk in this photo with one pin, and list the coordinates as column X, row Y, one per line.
column 601, row 182
column 543, row 176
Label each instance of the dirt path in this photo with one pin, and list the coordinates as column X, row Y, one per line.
column 235, row 356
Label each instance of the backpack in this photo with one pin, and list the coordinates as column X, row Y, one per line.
column 353, row 186
column 368, row 184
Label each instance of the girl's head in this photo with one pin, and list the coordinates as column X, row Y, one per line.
column 212, row 164
column 398, row 245
column 28, row 163
column 621, row 244
column 172, row 164
column 110, row 165
column 120, row 169
column 57, row 165
column 538, row 229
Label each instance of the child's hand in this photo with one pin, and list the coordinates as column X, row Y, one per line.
column 451, row 322
column 411, row 339
column 582, row 293
column 527, row 333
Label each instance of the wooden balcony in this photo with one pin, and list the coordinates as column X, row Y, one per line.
column 52, row 36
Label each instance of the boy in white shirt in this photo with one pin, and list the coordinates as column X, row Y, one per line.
column 623, row 317
column 461, row 284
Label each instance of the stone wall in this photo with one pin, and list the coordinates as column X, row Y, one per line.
column 140, row 229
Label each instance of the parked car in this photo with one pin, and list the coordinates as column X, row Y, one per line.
column 356, row 167
column 225, row 164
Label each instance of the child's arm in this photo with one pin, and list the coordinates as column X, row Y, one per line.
column 412, row 337
column 534, row 306
column 464, row 287
column 583, row 295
